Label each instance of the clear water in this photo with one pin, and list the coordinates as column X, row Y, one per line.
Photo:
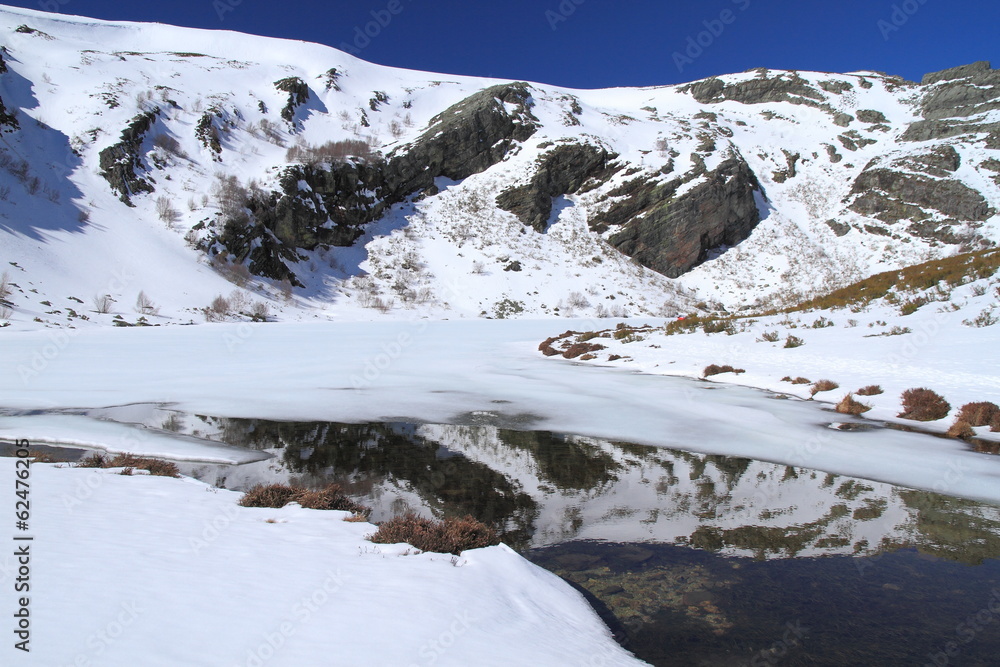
column 691, row 559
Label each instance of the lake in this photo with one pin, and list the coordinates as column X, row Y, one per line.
column 691, row 559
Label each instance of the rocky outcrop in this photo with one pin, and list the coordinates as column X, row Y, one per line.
column 673, row 234
column 951, row 97
column 891, row 194
column 8, row 120
column 467, row 138
column 120, row 161
column 342, row 197
column 298, row 94
column 786, row 87
column 561, row 171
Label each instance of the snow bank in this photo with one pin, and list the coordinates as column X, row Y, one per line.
column 159, row 571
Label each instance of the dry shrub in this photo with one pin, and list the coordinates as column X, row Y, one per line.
column 870, row 390
column 449, row 536
column 822, row 385
column 331, row 151
column 267, row 495
column 923, row 405
column 801, row 380
column 982, row 413
column 849, row 406
column 545, row 347
column 961, row 429
column 156, row 467
column 715, row 369
column 794, row 341
column 576, row 349
column 331, row 497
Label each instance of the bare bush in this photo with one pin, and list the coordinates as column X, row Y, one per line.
column 237, row 301
column 260, row 311
column 577, row 300
column 168, row 144
column 102, row 303
column 870, row 390
column 145, row 306
column 230, row 195
column 165, row 209
column 218, row 310
column 4, row 286
column 923, row 405
column 331, row 151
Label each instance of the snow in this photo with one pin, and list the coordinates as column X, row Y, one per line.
column 391, row 328
column 170, row 572
column 442, row 371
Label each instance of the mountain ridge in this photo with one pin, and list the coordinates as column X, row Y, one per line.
column 339, row 188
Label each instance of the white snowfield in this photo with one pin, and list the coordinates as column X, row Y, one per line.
column 156, row 571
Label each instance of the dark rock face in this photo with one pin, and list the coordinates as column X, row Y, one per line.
column 561, row 171
column 953, row 95
column 783, row 88
column 206, row 132
column 467, row 138
column 891, row 196
column 959, row 72
column 671, row 235
column 343, row 197
column 871, row 116
column 298, row 94
column 333, row 212
column 119, row 162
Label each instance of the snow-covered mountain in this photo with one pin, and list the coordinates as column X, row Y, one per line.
column 175, row 175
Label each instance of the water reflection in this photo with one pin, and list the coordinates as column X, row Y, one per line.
column 540, row 488
column 788, row 564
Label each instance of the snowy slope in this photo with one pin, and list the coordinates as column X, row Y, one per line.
column 221, row 584
column 76, row 84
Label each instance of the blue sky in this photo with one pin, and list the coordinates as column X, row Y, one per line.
column 599, row 43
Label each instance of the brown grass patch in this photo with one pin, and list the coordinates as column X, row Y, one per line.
column 954, row 270
column 849, row 406
column 156, row 467
column 923, row 405
column 870, row 390
column 982, row 413
column 715, row 369
column 331, row 497
column 449, row 536
column 576, row 349
column 823, row 385
column 961, row 429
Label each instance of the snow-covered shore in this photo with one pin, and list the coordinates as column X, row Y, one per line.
column 131, row 570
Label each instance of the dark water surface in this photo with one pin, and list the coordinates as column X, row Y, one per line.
column 692, row 559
